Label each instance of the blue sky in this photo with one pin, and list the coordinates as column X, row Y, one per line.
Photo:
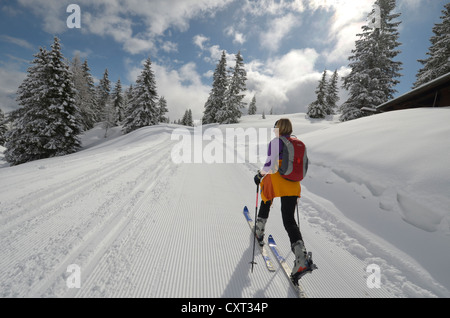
column 286, row 45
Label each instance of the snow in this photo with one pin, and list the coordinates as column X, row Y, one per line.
column 138, row 225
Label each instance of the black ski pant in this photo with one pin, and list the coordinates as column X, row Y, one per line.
column 288, row 205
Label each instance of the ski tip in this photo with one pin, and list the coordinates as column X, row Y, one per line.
column 245, row 209
column 271, row 241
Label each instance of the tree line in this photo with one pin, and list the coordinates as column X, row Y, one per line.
column 373, row 76
column 59, row 101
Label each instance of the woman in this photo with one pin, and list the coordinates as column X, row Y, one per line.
column 273, row 185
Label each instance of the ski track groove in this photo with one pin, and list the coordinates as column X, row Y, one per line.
column 29, row 252
column 111, row 276
column 116, row 279
column 54, row 213
column 53, row 196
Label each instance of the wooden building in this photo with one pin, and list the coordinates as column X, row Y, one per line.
column 435, row 93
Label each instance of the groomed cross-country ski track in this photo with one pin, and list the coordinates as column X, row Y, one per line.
column 139, row 225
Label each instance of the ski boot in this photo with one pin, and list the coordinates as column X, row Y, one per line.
column 259, row 230
column 303, row 263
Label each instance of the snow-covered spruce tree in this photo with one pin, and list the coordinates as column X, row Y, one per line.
column 143, row 110
column 372, row 80
column 317, row 109
column 113, row 109
column 252, row 107
column 332, row 98
column 91, row 89
column 231, row 110
column 47, row 124
column 162, row 110
column 438, row 62
column 187, row 118
column 128, row 98
column 103, row 93
column 190, row 119
column 85, row 92
column 2, row 128
column 117, row 101
column 217, row 97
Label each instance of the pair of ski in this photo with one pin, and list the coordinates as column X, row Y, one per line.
column 273, row 246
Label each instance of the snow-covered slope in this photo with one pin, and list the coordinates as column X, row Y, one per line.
column 139, row 225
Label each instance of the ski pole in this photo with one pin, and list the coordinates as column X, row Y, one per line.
column 254, row 229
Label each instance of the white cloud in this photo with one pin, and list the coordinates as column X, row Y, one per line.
column 215, row 52
column 169, row 46
column 281, row 17
column 272, row 7
column 182, row 89
column 52, row 13
column 160, row 15
column 278, row 29
column 120, row 29
column 20, row 42
column 348, row 18
column 199, row 40
column 119, row 19
column 238, row 37
column 285, row 83
column 82, row 54
column 10, row 79
column 344, row 43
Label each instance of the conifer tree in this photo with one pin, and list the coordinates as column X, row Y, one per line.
column 373, row 73
column 2, row 128
column 143, row 110
column 85, row 92
column 162, row 110
column 103, row 96
column 128, row 98
column 217, row 97
column 438, row 62
column 118, row 103
column 317, row 109
column 184, row 119
column 89, row 81
column 47, row 123
column 187, row 118
column 252, row 107
column 190, row 119
column 332, row 97
column 231, row 109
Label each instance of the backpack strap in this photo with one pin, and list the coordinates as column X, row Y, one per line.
column 290, row 152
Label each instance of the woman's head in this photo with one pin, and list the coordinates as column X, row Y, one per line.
column 284, row 126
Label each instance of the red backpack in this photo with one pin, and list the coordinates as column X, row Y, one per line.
column 294, row 164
